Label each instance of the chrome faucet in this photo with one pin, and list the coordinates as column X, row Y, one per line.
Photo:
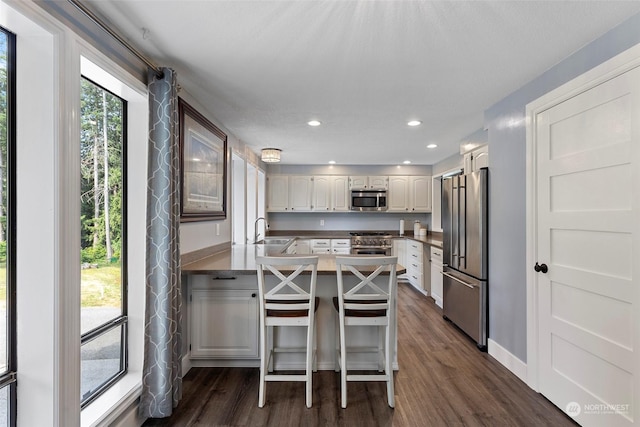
column 255, row 228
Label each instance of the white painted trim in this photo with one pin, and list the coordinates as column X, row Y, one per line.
column 508, row 360
column 186, row 364
column 614, row 67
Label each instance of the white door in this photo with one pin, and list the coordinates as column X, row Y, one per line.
column 588, row 209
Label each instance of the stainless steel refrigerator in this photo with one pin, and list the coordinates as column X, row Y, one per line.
column 465, row 266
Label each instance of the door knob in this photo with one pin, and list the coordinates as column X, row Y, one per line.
column 541, row 268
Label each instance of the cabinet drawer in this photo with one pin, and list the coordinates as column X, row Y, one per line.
column 414, row 265
column 412, row 245
column 436, row 253
column 317, row 251
column 340, row 243
column 320, row 243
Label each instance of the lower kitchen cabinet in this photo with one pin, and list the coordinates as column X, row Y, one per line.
column 436, row 275
column 416, row 261
column 224, row 323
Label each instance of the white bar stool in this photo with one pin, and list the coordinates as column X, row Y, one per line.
column 286, row 304
column 367, row 304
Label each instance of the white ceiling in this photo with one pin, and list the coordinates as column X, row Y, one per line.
column 363, row 68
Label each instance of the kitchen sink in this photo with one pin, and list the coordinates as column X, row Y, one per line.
column 273, row 241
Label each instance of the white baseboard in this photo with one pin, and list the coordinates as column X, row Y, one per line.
column 186, row 364
column 508, row 360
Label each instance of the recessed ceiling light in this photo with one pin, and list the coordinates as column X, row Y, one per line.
column 406, row 162
column 314, row 123
column 332, row 162
column 414, row 123
column 432, row 145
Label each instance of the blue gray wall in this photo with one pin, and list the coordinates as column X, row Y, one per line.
column 507, row 226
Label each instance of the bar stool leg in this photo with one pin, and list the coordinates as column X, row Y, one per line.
column 389, row 367
column 263, row 366
column 343, row 364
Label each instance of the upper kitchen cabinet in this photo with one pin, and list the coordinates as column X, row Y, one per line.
column 368, row 182
column 330, row 193
column 409, row 194
column 398, row 196
column 278, row 193
column 420, row 193
column 300, row 192
column 476, row 159
column 289, row 193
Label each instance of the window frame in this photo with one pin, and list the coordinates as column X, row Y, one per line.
column 9, row 378
column 122, row 320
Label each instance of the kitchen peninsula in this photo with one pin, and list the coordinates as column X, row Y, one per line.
column 222, row 326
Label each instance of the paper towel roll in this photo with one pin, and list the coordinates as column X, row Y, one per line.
column 402, row 227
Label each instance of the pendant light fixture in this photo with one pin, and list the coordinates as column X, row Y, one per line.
column 271, row 155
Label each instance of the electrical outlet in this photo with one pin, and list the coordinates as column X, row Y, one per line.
column 217, row 229
column 322, row 223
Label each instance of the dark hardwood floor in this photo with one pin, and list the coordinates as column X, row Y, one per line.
column 444, row 380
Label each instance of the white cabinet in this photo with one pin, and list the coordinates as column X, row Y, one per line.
column 224, row 323
column 321, row 200
column 399, row 250
column 320, row 246
column 420, row 193
column 303, row 246
column 436, row 275
column 341, row 246
column 416, row 262
column 476, row 159
column 289, row 193
column 398, row 194
column 409, row 194
column 300, row 191
column 368, row 182
column 330, row 193
column 278, row 193
column 340, row 193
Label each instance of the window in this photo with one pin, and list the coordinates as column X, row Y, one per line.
column 7, row 231
column 103, row 240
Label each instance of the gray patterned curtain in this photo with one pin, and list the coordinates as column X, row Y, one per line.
column 162, row 369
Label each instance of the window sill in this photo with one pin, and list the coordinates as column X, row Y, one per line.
column 108, row 407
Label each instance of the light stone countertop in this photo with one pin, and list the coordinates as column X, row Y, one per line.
column 241, row 260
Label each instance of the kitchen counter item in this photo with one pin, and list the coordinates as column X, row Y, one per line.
column 416, row 228
column 401, row 227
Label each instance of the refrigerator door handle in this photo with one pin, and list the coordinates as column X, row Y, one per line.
column 462, row 230
column 457, row 280
column 455, row 221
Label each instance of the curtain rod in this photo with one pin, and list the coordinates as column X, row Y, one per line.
column 96, row 20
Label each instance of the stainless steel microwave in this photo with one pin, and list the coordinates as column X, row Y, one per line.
column 362, row 200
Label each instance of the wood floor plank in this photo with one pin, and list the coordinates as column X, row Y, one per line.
column 444, row 380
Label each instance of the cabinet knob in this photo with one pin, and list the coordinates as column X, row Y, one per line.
column 253, row 295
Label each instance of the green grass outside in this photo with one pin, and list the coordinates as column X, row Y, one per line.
column 100, row 287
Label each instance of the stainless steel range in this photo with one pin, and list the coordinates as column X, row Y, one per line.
column 371, row 243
